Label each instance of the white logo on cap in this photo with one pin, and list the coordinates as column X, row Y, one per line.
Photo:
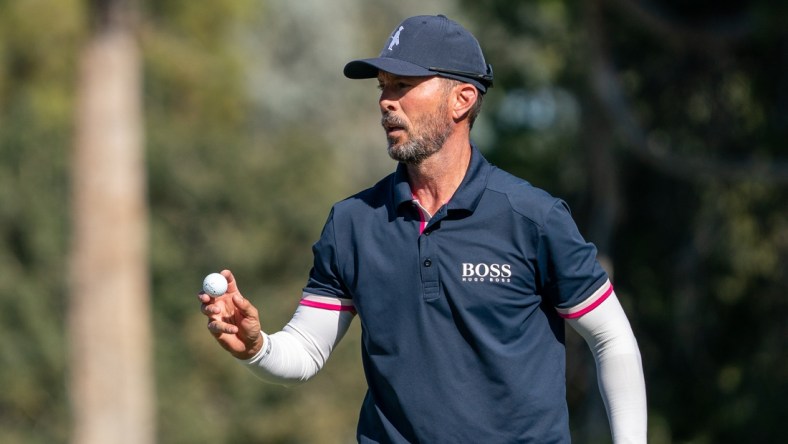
column 395, row 38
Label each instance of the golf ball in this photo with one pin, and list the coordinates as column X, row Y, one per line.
column 214, row 284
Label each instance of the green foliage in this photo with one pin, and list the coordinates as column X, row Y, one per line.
column 252, row 133
column 36, row 83
column 227, row 194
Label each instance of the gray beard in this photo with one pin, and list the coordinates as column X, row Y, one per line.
column 418, row 147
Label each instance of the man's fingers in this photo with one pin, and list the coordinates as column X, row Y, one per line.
column 210, row 310
column 244, row 306
column 218, row 328
column 232, row 287
column 209, row 306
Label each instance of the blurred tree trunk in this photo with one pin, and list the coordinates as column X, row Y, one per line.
column 111, row 382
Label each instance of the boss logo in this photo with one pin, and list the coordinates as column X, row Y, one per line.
column 482, row 272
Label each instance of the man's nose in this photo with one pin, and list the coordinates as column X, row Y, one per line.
column 387, row 101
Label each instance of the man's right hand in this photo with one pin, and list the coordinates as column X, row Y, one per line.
column 233, row 320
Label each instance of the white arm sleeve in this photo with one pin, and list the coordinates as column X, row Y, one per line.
column 300, row 350
column 607, row 331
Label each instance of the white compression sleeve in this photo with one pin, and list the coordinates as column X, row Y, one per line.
column 607, row 331
column 300, row 350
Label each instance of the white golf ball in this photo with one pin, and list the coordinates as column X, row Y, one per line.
column 214, row 284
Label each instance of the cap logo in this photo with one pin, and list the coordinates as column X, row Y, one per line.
column 395, row 38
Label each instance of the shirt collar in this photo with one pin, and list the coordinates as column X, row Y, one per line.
column 468, row 194
column 470, row 191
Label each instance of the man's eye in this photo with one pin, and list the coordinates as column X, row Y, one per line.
column 394, row 86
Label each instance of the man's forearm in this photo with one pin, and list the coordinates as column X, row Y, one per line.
column 607, row 331
column 300, row 350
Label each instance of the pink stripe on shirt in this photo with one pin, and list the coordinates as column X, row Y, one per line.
column 589, row 304
column 327, row 303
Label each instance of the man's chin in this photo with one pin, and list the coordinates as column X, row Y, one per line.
column 405, row 156
column 395, row 147
column 396, row 153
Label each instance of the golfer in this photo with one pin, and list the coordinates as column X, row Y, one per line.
column 463, row 276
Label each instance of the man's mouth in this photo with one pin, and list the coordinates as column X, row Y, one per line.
column 391, row 129
column 392, row 124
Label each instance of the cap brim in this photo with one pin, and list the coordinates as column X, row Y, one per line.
column 368, row 68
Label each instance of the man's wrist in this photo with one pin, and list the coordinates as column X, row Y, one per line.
column 260, row 349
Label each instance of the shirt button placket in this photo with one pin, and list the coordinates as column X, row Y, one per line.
column 430, row 282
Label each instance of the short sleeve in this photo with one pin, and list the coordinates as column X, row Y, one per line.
column 324, row 277
column 568, row 264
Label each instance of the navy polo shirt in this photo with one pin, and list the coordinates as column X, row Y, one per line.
column 462, row 328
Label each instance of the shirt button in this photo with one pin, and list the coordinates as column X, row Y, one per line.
column 427, row 263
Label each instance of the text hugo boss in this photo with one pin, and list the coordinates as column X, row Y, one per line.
column 482, row 270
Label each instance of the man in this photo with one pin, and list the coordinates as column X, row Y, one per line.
column 462, row 276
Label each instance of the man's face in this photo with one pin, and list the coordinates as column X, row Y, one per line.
column 414, row 115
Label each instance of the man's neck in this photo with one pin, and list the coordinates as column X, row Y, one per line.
column 434, row 181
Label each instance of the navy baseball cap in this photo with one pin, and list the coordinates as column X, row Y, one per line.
column 428, row 45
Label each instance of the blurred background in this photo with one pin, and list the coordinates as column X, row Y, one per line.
column 662, row 123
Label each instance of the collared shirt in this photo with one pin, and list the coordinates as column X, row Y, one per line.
column 462, row 315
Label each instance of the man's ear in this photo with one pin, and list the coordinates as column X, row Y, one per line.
column 464, row 97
